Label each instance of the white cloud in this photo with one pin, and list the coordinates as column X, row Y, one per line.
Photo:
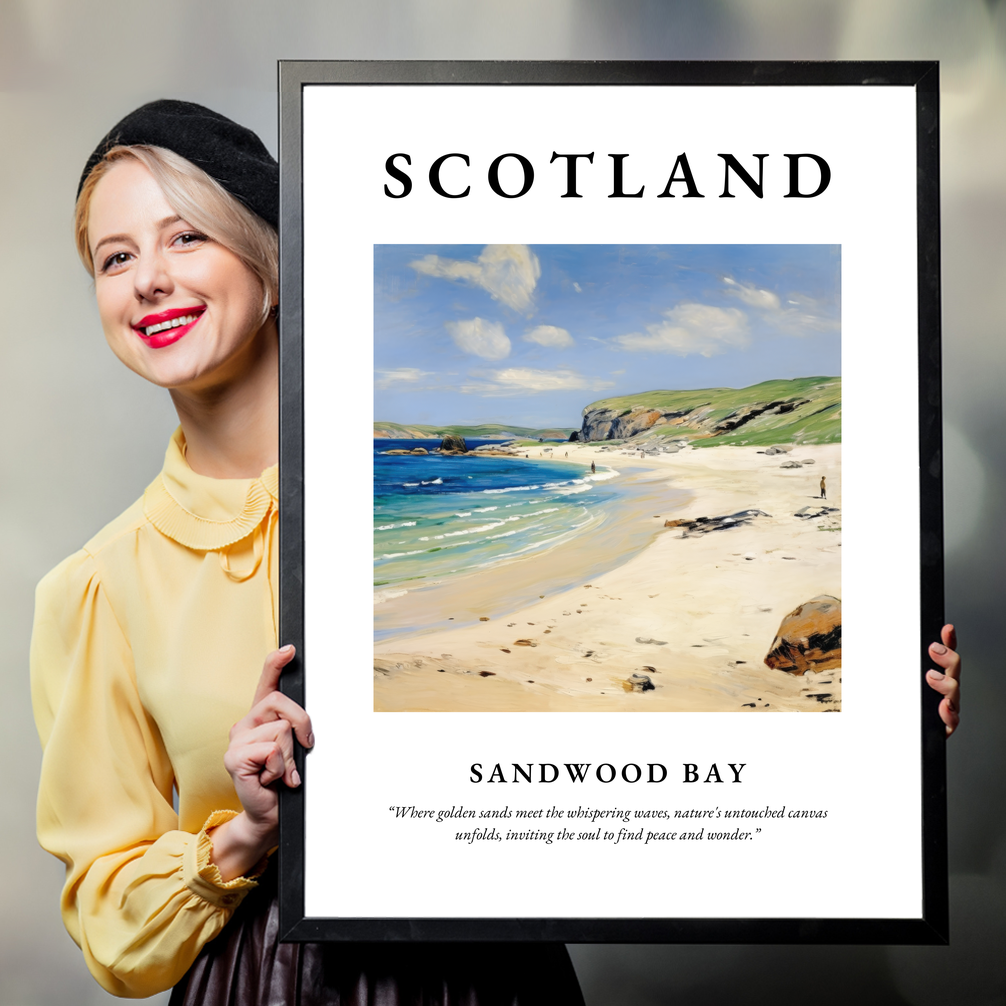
column 402, row 375
column 800, row 315
column 753, row 295
column 480, row 338
column 691, row 328
column 509, row 273
column 549, row 335
column 804, row 314
column 527, row 380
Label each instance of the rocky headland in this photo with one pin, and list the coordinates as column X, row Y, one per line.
column 805, row 410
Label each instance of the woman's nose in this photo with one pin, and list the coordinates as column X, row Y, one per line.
column 152, row 277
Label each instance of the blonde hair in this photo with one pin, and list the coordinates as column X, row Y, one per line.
column 199, row 200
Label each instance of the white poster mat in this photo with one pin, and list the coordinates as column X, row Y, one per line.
column 861, row 765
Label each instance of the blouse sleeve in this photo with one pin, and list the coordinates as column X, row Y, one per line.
column 141, row 898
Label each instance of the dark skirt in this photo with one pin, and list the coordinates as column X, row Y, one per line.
column 246, row 965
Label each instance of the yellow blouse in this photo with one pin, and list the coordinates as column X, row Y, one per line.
column 147, row 647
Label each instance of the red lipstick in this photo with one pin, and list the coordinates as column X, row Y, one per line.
column 166, row 327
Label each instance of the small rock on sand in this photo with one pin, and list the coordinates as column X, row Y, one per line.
column 813, row 512
column 639, row 683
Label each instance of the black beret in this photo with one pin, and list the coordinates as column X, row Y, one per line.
column 230, row 154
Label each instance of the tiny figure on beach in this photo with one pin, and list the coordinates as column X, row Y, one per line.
column 593, row 468
column 824, row 491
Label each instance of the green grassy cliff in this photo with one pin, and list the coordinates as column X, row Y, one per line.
column 805, row 410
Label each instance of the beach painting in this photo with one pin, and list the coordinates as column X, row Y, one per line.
column 607, row 478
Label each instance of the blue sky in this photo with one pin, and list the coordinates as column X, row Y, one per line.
column 530, row 335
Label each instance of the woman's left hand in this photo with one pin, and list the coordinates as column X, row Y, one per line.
column 948, row 681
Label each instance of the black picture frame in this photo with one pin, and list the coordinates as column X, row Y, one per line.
column 931, row 927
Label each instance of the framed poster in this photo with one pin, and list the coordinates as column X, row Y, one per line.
column 610, row 446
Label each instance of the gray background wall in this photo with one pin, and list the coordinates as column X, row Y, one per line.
column 81, row 436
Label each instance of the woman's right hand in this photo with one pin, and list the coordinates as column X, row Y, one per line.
column 259, row 754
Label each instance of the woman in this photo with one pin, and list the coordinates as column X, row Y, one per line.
column 148, row 643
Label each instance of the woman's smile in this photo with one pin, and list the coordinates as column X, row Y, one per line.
column 166, row 327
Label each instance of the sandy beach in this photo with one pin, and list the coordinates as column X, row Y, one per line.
column 696, row 614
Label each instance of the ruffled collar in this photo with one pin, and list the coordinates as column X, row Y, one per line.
column 203, row 513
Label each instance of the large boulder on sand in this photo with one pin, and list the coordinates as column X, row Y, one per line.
column 809, row 638
column 452, row 444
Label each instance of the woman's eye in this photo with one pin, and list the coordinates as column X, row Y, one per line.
column 114, row 261
column 190, row 238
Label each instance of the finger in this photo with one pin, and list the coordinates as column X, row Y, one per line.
column 262, row 761
column 950, row 716
column 948, row 659
column 949, row 636
column 949, row 708
column 947, row 686
column 271, row 670
column 274, row 766
column 276, row 706
column 280, row 733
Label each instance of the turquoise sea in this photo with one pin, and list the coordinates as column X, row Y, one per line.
column 436, row 516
